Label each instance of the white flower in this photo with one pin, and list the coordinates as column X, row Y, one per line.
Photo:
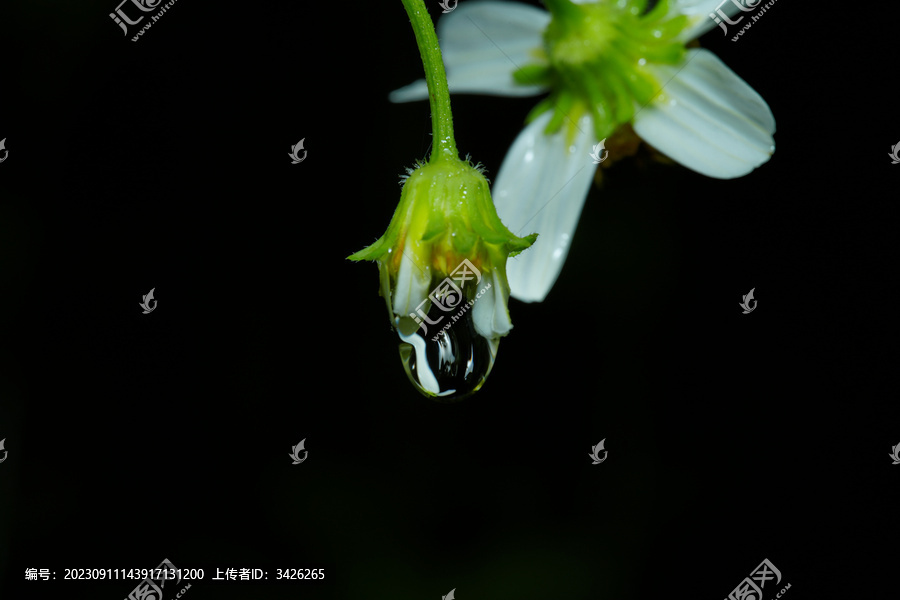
column 606, row 64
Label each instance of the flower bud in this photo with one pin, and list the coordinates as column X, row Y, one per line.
column 442, row 263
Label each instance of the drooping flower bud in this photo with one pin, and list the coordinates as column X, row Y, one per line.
column 442, row 263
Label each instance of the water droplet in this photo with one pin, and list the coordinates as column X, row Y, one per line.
column 446, row 363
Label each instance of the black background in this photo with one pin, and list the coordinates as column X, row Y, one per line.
column 163, row 164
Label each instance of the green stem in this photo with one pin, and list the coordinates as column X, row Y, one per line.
column 436, row 78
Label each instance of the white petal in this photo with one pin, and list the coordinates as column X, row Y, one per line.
column 491, row 313
column 482, row 44
column 541, row 188
column 698, row 12
column 708, row 119
column 412, row 286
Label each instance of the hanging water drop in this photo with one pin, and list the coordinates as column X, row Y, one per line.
column 446, row 363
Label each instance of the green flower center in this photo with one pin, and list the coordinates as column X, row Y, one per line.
column 597, row 58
